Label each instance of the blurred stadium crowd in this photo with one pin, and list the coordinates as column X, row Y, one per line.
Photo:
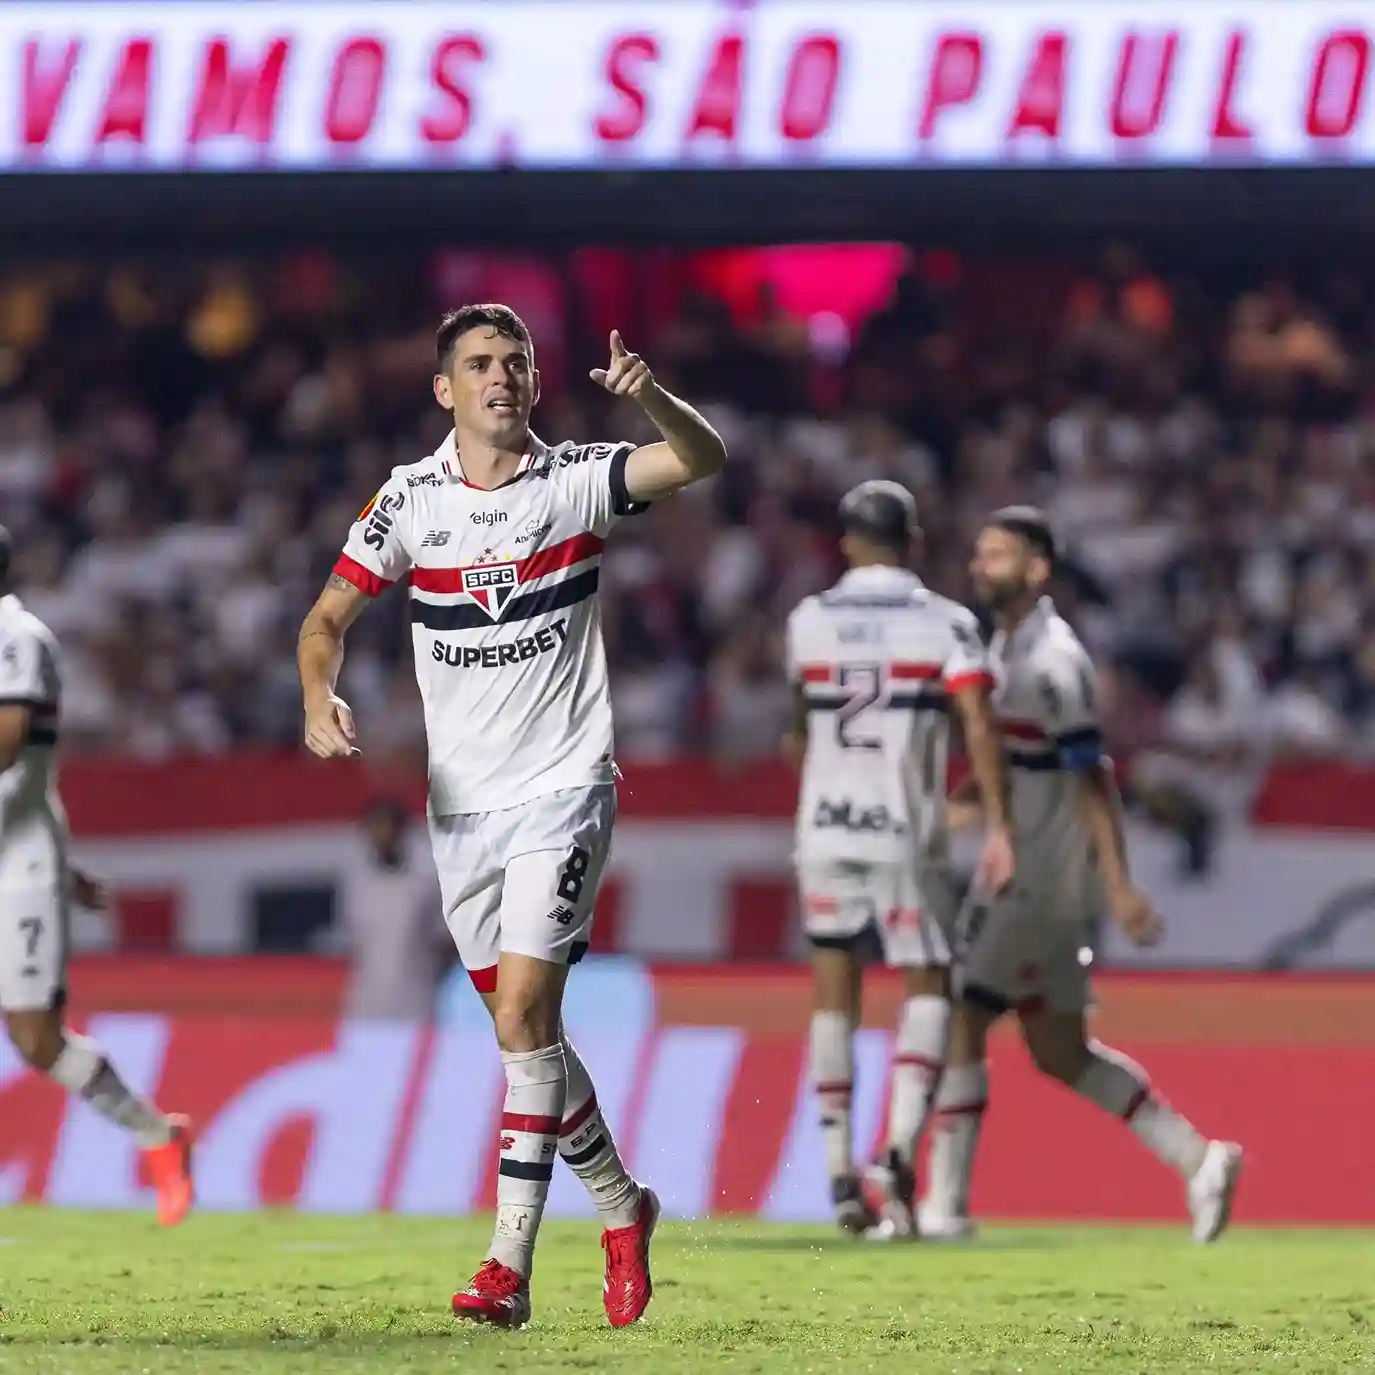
column 183, row 446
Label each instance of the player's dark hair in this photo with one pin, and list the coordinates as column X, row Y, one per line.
column 1031, row 524
column 6, row 555
column 882, row 512
column 456, row 323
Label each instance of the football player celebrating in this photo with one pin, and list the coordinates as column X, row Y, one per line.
column 500, row 537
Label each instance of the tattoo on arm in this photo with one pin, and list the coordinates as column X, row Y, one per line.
column 339, row 584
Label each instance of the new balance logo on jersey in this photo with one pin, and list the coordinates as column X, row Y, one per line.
column 496, row 656
column 847, row 816
column 492, row 587
column 435, row 539
column 489, row 518
column 561, row 915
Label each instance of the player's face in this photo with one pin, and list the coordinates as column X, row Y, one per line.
column 1000, row 568
column 491, row 387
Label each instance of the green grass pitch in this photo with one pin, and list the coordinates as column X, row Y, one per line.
column 104, row 1293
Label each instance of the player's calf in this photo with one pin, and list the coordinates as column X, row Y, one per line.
column 1117, row 1084
column 629, row 1212
column 918, row 1061
column 79, row 1065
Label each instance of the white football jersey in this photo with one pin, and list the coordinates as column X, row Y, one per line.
column 33, row 825
column 877, row 657
column 504, row 615
column 1045, row 699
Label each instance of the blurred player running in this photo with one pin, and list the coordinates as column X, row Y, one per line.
column 36, row 885
column 1022, row 950
column 500, row 538
column 876, row 664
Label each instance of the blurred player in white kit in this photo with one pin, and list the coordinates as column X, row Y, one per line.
column 500, row 538
column 878, row 663
column 1021, row 951
column 37, row 885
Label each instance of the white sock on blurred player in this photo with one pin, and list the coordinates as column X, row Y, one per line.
column 1118, row 1085
column 589, row 1149
column 83, row 1069
column 961, row 1101
column 833, row 1075
column 918, row 1059
column 536, row 1088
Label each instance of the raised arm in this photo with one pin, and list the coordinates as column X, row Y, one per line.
column 690, row 449
column 319, row 657
column 15, row 720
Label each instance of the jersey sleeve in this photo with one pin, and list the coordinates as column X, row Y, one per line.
column 21, row 668
column 1068, row 691
column 592, row 480
column 966, row 664
column 375, row 554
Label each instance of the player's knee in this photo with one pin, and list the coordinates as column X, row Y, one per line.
column 524, row 1024
column 37, row 1037
column 931, row 982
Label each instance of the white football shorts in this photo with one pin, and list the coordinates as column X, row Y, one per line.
column 911, row 911
column 33, row 948
column 524, row 879
column 1023, row 951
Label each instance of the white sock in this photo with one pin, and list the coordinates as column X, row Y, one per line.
column 82, row 1069
column 589, row 1149
column 833, row 1076
column 536, row 1086
column 918, row 1059
column 961, row 1100
column 1118, row 1085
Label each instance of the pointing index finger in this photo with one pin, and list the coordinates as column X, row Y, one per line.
column 617, row 345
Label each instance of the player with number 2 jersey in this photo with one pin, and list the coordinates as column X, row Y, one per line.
column 878, row 663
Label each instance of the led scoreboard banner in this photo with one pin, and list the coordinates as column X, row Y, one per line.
column 603, row 84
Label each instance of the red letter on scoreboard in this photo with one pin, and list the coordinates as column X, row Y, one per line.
column 1334, row 98
column 956, row 69
column 43, row 92
column 1226, row 124
column 717, row 108
column 451, row 120
column 237, row 100
column 1138, row 93
column 1041, row 100
column 355, row 90
column 809, row 92
column 625, row 59
column 126, row 103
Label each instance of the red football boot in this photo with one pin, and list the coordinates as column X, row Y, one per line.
column 627, row 1288
column 497, row 1294
column 169, row 1167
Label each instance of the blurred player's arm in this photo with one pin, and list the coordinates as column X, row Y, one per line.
column 969, row 684
column 21, row 693
column 1069, row 693
column 691, row 449
column 319, row 657
column 15, row 719
column 1100, row 804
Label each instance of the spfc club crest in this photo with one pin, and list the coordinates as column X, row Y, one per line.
column 491, row 586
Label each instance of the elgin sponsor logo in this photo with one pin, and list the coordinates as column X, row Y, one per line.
column 353, row 1118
